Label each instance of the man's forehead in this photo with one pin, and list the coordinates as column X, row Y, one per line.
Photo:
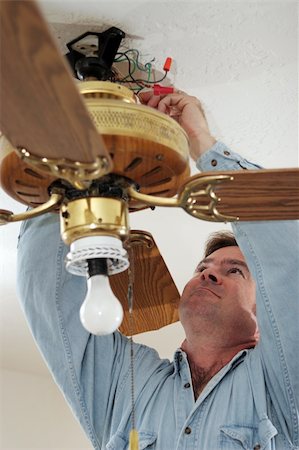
column 230, row 251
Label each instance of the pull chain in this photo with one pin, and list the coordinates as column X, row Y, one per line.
column 134, row 439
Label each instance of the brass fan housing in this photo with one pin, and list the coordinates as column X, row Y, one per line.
column 146, row 146
column 94, row 216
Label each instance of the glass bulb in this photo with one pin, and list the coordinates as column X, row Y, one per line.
column 101, row 312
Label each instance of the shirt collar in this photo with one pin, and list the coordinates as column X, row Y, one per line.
column 180, row 356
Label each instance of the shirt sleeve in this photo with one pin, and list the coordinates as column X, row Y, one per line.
column 272, row 253
column 91, row 371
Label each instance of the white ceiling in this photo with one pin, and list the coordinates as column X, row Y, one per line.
column 241, row 59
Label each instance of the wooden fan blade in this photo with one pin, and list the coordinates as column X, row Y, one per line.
column 155, row 295
column 261, row 195
column 255, row 194
column 41, row 108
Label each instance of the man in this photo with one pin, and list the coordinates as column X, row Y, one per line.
column 227, row 388
column 217, row 311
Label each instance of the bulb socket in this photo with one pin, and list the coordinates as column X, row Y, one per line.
column 99, row 248
column 97, row 266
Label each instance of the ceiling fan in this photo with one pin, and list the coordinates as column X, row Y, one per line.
column 89, row 151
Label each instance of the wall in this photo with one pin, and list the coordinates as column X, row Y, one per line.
column 34, row 415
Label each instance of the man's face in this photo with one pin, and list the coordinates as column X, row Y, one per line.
column 220, row 296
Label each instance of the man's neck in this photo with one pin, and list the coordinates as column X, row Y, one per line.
column 205, row 361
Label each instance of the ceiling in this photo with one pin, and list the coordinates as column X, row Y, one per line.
column 241, row 60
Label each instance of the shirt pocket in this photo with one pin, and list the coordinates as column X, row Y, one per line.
column 120, row 441
column 247, row 437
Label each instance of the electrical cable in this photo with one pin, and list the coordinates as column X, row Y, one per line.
column 130, row 78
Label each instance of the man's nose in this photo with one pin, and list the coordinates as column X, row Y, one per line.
column 211, row 275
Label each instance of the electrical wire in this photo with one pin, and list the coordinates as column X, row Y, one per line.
column 134, row 65
column 129, row 78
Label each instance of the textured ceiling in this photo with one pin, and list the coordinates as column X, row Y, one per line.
column 241, row 59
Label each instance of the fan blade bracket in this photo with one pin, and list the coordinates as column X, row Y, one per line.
column 151, row 200
column 209, row 213
column 139, row 238
column 5, row 216
column 197, row 192
column 54, row 201
column 244, row 195
column 77, row 173
column 197, row 198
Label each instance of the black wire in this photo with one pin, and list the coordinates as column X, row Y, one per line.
column 130, row 73
column 137, row 81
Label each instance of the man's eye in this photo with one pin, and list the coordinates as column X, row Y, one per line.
column 236, row 270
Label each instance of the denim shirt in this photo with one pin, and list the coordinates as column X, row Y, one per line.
column 251, row 403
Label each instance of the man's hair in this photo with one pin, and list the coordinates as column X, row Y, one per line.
column 218, row 240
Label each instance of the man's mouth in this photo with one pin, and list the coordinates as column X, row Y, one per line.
column 202, row 288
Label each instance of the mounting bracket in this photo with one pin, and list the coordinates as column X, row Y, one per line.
column 99, row 65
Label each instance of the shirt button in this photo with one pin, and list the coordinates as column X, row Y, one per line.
column 187, row 385
column 214, row 162
column 226, row 152
column 187, row 430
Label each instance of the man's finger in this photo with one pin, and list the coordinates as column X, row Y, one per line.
column 144, row 96
column 178, row 91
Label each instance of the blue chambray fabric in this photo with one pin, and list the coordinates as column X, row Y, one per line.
column 252, row 403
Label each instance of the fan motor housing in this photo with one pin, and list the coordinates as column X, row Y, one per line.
column 146, row 146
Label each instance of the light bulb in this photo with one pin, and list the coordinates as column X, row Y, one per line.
column 101, row 312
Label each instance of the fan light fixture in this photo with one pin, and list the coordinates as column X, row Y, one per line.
column 94, row 227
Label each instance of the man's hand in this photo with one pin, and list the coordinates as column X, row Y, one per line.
column 188, row 112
